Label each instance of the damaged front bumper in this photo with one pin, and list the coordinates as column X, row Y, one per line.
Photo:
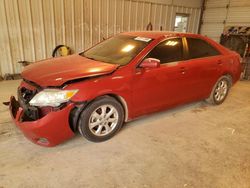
column 49, row 130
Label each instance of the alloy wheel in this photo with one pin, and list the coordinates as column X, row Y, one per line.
column 221, row 90
column 103, row 120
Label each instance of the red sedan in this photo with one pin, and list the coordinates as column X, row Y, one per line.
column 117, row 80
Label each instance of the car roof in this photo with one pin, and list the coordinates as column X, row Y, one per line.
column 168, row 34
column 160, row 34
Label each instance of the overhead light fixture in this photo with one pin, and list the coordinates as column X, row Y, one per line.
column 171, row 43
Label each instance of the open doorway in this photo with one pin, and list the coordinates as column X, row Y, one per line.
column 181, row 23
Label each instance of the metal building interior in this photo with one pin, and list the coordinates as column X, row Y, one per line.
column 192, row 145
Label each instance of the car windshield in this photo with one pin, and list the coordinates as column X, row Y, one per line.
column 119, row 50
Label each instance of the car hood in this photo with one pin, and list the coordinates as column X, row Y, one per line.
column 56, row 71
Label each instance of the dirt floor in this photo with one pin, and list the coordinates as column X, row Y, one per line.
column 197, row 145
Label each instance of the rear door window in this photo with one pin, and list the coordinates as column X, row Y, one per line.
column 199, row 48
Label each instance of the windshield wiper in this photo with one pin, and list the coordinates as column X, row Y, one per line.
column 90, row 58
column 82, row 54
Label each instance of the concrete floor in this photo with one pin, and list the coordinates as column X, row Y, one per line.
column 196, row 145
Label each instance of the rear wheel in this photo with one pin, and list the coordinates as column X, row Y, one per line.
column 101, row 120
column 220, row 91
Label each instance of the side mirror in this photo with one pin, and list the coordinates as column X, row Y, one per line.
column 150, row 63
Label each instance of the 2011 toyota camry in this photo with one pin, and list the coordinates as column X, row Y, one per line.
column 117, row 80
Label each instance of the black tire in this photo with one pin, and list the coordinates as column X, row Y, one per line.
column 212, row 98
column 86, row 116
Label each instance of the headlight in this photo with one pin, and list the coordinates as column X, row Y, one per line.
column 52, row 97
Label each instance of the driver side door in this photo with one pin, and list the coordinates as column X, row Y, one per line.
column 164, row 86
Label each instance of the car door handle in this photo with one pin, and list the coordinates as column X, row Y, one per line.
column 183, row 70
column 219, row 62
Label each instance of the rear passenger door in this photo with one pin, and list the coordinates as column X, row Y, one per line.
column 203, row 65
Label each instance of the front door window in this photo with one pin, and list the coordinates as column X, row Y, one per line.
column 170, row 50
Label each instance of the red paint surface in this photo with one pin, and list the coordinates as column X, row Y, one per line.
column 56, row 71
column 54, row 127
column 144, row 90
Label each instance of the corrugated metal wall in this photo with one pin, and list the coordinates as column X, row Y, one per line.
column 30, row 29
column 221, row 13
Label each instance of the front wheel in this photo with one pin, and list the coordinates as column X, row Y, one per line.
column 101, row 120
column 220, row 91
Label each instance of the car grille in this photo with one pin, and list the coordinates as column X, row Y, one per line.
column 26, row 95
